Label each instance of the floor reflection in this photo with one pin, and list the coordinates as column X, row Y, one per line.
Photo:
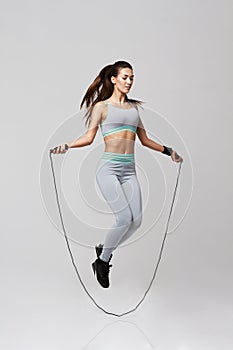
column 120, row 335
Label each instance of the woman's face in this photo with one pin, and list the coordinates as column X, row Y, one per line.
column 124, row 80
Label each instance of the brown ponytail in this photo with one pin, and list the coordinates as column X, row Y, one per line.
column 102, row 88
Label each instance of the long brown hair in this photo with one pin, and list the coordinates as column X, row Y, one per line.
column 102, row 88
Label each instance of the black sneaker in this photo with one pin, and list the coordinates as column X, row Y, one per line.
column 99, row 249
column 101, row 269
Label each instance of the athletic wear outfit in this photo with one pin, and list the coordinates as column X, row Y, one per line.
column 117, row 179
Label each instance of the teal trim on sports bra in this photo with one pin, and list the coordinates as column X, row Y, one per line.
column 119, row 129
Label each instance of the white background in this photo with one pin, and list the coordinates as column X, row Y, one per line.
column 181, row 52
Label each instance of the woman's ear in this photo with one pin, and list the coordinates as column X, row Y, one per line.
column 113, row 80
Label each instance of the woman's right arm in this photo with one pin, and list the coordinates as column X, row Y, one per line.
column 90, row 134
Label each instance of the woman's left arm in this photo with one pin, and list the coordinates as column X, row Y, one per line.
column 145, row 141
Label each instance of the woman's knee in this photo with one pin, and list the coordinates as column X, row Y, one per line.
column 124, row 219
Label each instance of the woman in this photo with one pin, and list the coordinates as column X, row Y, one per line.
column 109, row 107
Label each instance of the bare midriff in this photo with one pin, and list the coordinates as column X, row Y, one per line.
column 121, row 142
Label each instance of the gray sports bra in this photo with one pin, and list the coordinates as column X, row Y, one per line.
column 119, row 119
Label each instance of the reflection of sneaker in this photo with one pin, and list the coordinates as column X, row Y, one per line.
column 99, row 249
column 101, row 269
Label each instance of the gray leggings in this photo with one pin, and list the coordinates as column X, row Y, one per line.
column 118, row 183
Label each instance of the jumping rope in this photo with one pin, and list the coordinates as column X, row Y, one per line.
column 72, row 258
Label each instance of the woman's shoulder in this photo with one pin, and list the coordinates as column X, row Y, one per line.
column 100, row 104
column 133, row 104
